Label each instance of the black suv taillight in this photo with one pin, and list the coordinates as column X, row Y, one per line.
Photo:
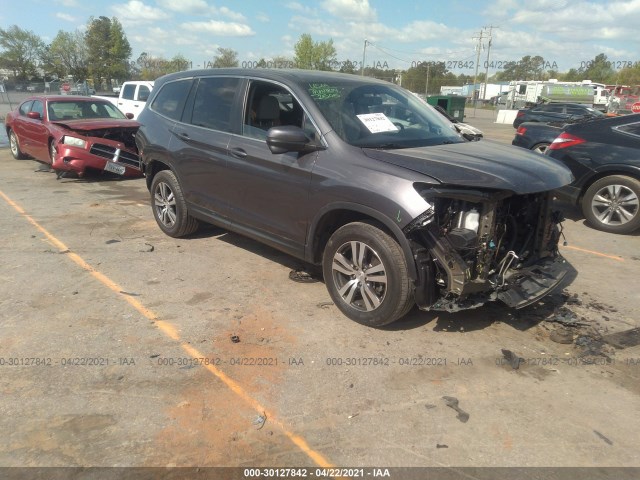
column 521, row 131
column 565, row 140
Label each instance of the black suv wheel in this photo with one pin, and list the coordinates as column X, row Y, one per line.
column 366, row 274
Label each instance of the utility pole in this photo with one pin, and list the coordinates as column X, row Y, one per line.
column 426, row 88
column 364, row 53
column 486, row 73
column 475, row 77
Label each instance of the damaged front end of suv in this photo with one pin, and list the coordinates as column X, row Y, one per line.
column 476, row 246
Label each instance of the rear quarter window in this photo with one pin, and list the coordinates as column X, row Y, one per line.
column 171, row 99
column 630, row 129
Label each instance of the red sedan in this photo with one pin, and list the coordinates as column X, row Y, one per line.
column 74, row 134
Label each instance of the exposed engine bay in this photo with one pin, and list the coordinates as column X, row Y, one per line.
column 122, row 135
column 474, row 246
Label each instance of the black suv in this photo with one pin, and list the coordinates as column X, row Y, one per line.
column 359, row 176
column 555, row 112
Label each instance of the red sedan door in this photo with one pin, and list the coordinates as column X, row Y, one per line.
column 35, row 133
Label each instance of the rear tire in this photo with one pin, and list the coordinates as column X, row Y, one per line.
column 540, row 148
column 366, row 274
column 169, row 206
column 612, row 204
column 14, row 144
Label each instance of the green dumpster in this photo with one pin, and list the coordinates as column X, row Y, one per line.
column 453, row 104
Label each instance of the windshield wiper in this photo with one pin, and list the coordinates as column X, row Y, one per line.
column 385, row 146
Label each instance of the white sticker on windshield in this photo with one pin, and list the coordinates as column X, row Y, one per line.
column 377, row 122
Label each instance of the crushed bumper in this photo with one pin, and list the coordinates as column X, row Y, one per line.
column 528, row 285
column 97, row 157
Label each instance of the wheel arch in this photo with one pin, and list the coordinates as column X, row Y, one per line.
column 624, row 170
column 152, row 168
column 332, row 217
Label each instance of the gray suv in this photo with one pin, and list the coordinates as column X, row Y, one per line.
column 359, row 176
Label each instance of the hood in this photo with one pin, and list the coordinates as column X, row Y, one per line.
column 84, row 124
column 482, row 164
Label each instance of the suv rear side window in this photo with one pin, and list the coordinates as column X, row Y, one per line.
column 213, row 102
column 171, row 98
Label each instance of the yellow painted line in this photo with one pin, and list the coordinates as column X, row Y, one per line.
column 613, row 257
column 170, row 331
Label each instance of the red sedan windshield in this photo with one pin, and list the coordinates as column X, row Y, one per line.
column 82, row 110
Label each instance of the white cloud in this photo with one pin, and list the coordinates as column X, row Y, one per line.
column 360, row 9
column 135, row 12
column 220, row 28
column 68, row 3
column 66, row 17
column 230, row 14
column 199, row 7
column 263, row 17
column 184, row 6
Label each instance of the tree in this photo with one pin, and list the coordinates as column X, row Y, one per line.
column 312, row 55
column 598, row 70
column 119, row 50
column 21, row 51
column 226, row 57
column 147, row 67
column 629, row 76
column 108, row 49
column 527, row 68
column 415, row 78
column 67, row 55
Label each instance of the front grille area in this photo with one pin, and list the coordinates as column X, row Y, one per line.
column 109, row 152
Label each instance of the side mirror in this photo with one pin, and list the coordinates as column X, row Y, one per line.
column 288, row 138
column 129, row 115
column 34, row 115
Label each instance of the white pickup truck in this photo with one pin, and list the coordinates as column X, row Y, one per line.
column 132, row 98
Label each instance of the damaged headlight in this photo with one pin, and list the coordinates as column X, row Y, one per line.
column 74, row 141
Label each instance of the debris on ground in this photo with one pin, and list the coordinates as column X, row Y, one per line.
column 235, row 339
column 147, row 248
column 606, row 440
column 565, row 316
column 303, row 276
column 441, row 446
column 430, row 406
column 562, row 335
column 113, row 240
column 452, row 402
column 260, row 420
column 324, row 305
column 620, row 340
column 513, row 359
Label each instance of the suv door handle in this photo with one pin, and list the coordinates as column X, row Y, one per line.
column 183, row 135
column 238, row 152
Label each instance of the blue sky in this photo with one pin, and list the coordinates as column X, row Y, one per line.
column 567, row 33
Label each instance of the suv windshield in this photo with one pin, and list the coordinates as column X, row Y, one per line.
column 380, row 116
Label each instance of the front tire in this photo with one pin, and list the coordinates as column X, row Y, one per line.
column 14, row 144
column 169, row 206
column 366, row 275
column 612, row 204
